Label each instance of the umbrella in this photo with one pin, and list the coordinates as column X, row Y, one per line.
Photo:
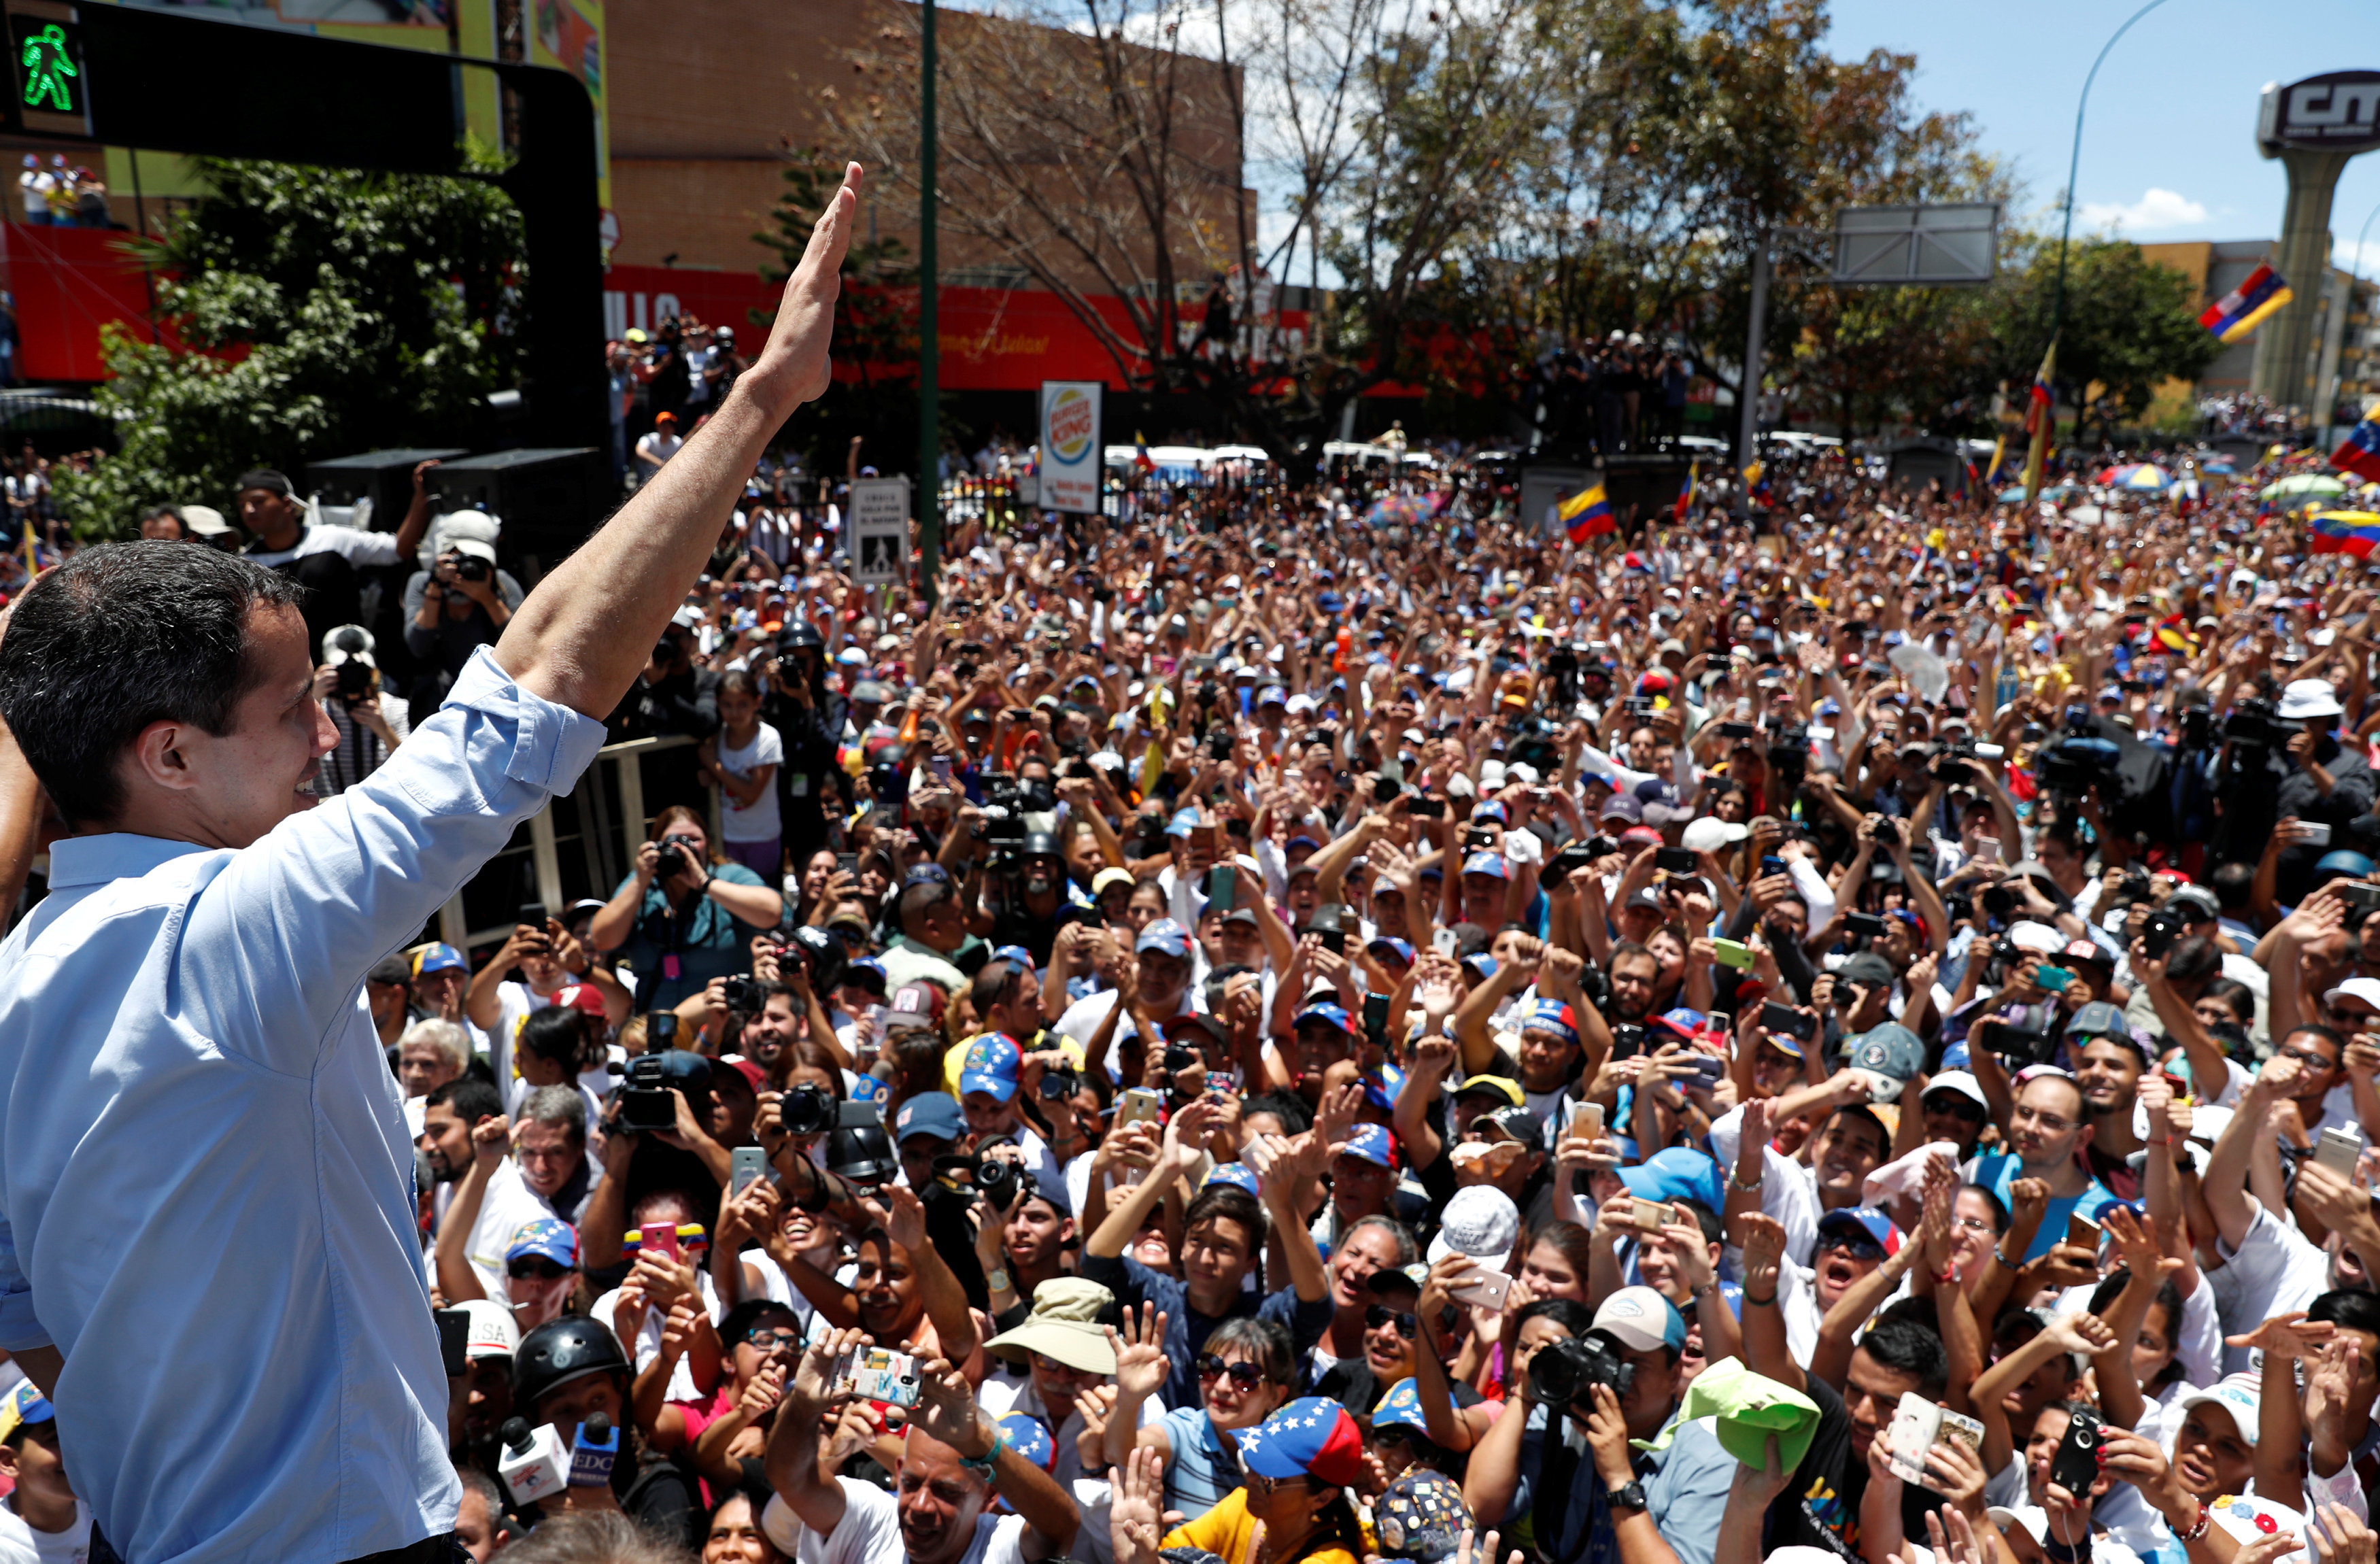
column 2315, row 485
column 1395, row 509
column 2137, row 477
column 2219, row 466
column 2055, row 492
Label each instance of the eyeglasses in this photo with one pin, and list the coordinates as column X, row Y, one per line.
column 1378, row 1315
column 1260, row 1483
column 1958, row 1108
column 543, row 1270
column 2310, row 1059
column 1246, row 1375
column 767, row 1337
column 1971, row 1224
column 1049, row 1364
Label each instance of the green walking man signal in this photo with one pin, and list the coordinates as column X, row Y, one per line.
column 48, row 69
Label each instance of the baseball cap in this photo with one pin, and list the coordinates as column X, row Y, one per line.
column 1310, row 1436
column 1677, row 1174
column 990, row 1067
column 1027, row 1434
column 1328, row 1014
column 1521, row 1124
column 1708, row 835
column 1397, row 1278
column 1501, row 1086
column 490, row 1332
column 1376, row 1143
column 1621, row 807
column 2099, row 1019
column 1166, row 936
column 1389, row 945
column 584, row 998
column 439, row 958
column 1105, row 879
column 2238, row 1395
column 1210, row 1028
column 1863, row 1222
column 1480, row 1221
column 1237, row 1174
column 914, row 1004
column 2197, row 901
column 1641, row 1319
column 1867, row 969
column 547, row 1238
column 1959, row 1082
column 930, row 1113
column 24, row 1404
column 1551, row 1015
column 2364, row 989
column 1487, row 863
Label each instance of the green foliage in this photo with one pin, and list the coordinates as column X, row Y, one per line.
column 2129, row 324
column 308, row 312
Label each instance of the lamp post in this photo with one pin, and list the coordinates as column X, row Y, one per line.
column 929, row 437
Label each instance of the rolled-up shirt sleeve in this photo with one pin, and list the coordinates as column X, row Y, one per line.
column 296, row 918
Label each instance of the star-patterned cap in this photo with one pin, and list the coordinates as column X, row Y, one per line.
column 1421, row 1516
column 1031, row 1437
column 1311, row 1437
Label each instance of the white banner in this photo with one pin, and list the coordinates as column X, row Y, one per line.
column 1072, row 455
column 877, row 531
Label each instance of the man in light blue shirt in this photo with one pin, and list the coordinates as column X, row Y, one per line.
column 208, row 1255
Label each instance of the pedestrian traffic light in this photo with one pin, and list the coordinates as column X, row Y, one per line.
column 52, row 92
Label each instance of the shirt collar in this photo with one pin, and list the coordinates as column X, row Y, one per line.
column 95, row 860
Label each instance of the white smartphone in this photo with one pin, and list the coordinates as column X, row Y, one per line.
column 2315, row 833
column 1916, row 1423
column 745, row 1165
column 1587, row 1122
column 1987, row 849
column 2337, row 1150
column 1443, row 942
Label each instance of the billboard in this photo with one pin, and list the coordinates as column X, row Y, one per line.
column 2336, row 112
column 1071, row 451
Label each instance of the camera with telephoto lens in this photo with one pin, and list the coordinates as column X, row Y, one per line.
column 1563, row 1372
column 808, row 1110
column 1788, row 754
column 355, row 681
column 2252, row 724
column 645, row 1096
column 678, row 856
column 740, row 993
column 1057, row 1083
column 470, row 567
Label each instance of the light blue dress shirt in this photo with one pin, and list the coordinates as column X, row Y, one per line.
column 206, row 1188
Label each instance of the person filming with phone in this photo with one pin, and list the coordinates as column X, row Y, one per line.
column 203, row 1126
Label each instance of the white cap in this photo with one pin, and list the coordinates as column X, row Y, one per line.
column 204, row 520
column 2364, row 989
column 1708, row 834
column 2032, row 1517
column 493, row 1333
column 1480, row 1221
column 2237, row 1395
column 2038, row 937
column 1958, row 1080
column 2309, row 697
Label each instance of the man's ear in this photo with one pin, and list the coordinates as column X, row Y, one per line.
column 159, row 755
column 10, row 1463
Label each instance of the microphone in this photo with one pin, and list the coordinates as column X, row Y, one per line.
column 531, row 1460
column 593, row 1452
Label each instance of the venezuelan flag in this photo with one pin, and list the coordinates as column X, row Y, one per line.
column 2360, row 453
column 1140, row 457
column 2244, row 308
column 1588, row 514
column 1687, row 494
column 2344, row 532
column 2040, row 421
column 2174, row 634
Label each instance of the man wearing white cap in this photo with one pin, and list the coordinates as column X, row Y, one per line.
column 2327, row 783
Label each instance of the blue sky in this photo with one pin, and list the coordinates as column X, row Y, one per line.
column 2169, row 140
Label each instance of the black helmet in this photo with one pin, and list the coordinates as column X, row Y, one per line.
column 560, row 1350
column 825, row 954
column 799, row 635
column 861, row 1154
column 1040, row 844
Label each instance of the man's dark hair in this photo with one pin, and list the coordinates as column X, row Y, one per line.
column 556, row 1033
column 919, row 899
column 992, row 983
column 1906, row 1347
column 2350, row 1308
column 1622, row 949
column 119, row 636
column 1288, row 1106
column 1714, row 1230
column 1237, row 1205
column 471, row 1098
column 2193, row 957
column 2233, row 884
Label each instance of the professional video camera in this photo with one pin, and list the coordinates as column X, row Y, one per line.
column 1955, row 765
column 644, row 1103
column 1788, row 754
column 1563, row 1372
column 2254, row 725
column 1003, row 819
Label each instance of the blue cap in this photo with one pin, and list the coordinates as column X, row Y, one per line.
column 1309, row 1437
column 1400, row 1407
column 1374, row 1144
column 2343, row 861
column 1323, row 1010
column 1487, row 863
column 439, row 958
column 1491, row 809
column 1551, row 1015
column 1389, row 945
column 1238, row 1174
column 1305, row 836
column 1272, row 694
column 1481, row 963
column 1382, row 1086
column 1954, row 1057
column 927, row 873
column 1016, row 954
column 1183, row 822
column 930, row 1113
column 547, row 1238
column 1677, row 1174
column 24, row 1404
column 1164, row 935
column 990, row 1067
column 1865, row 1221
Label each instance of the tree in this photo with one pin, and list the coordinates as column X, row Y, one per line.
column 2129, row 325
column 305, row 311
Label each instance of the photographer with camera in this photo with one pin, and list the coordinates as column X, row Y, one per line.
column 372, row 722
column 1614, row 1385
column 686, row 914
column 462, row 603
column 2327, row 783
column 809, row 721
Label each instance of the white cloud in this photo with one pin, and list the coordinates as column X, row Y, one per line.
column 2158, row 208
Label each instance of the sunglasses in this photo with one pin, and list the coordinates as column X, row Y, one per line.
column 1246, row 1375
column 543, row 1270
column 1958, row 1108
column 769, row 1337
column 1858, row 1248
column 1378, row 1315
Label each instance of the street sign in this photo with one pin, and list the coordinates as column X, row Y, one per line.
column 876, row 531
column 1916, row 246
column 1073, row 460
column 2338, row 113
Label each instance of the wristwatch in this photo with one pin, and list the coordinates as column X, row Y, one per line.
column 1629, row 1496
column 996, row 1281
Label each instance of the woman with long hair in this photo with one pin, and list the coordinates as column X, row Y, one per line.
column 1300, row 1464
column 1244, row 1373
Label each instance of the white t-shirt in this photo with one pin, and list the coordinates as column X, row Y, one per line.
column 870, row 1531
column 2273, row 1272
column 20, row 1544
column 660, row 447
column 647, row 1344
column 37, row 187
column 508, row 1204
column 757, row 823
column 358, row 547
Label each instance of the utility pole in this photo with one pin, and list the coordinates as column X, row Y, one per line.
column 929, row 434
column 1747, row 397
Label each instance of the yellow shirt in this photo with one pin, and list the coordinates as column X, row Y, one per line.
column 1225, row 1530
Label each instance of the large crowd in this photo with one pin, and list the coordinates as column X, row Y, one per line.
column 1291, row 1030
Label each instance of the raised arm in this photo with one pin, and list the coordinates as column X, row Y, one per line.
column 580, row 639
